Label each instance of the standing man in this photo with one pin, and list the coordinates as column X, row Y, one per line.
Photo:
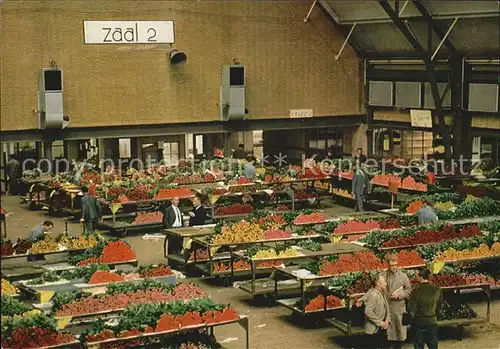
column 172, row 217
column 199, row 215
column 377, row 312
column 398, row 290
column 78, row 174
column 250, row 168
column 424, row 305
column 240, row 153
column 13, row 173
column 360, row 186
column 359, row 157
column 91, row 211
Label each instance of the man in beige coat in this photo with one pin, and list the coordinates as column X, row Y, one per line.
column 398, row 290
column 377, row 312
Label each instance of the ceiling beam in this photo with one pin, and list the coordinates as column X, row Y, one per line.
column 434, row 17
column 435, row 27
column 75, row 133
column 343, row 30
column 426, row 57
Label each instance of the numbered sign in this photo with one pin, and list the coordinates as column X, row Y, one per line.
column 129, row 32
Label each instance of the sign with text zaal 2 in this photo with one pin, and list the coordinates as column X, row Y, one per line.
column 129, row 32
column 301, row 113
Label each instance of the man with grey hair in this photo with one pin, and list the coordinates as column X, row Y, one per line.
column 377, row 312
column 172, row 217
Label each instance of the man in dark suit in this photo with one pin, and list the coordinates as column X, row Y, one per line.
column 91, row 211
column 172, row 217
column 199, row 215
column 240, row 153
column 360, row 186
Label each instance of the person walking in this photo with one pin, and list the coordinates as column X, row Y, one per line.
column 360, row 186
column 377, row 312
column 398, row 290
column 91, row 211
column 13, row 173
column 425, row 303
column 172, row 217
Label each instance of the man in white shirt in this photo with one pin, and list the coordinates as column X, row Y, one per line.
column 172, row 217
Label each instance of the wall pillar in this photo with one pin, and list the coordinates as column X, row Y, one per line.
column 47, row 147
column 71, row 150
column 100, row 147
column 360, row 139
column 462, row 119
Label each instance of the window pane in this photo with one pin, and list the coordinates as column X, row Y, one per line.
column 175, row 148
column 124, row 147
column 166, row 148
column 199, row 144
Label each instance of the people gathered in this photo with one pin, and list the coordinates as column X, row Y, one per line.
column 386, row 313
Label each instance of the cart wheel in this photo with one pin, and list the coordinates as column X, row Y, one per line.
column 297, row 317
column 270, row 300
column 460, row 333
column 123, row 233
column 259, row 298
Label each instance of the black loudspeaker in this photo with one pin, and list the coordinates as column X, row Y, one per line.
column 53, row 80
column 237, row 76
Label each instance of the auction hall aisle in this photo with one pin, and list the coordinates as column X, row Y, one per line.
column 270, row 327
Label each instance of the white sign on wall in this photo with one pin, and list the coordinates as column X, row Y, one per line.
column 421, row 118
column 301, row 113
column 129, row 32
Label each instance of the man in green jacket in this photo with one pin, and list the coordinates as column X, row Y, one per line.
column 425, row 304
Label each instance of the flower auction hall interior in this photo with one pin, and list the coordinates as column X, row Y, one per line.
column 250, row 174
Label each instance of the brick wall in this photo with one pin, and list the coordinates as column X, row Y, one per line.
column 289, row 64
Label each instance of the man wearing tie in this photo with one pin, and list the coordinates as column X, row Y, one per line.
column 172, row 217
column 199, row 215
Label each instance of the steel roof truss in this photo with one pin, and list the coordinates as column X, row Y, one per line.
column 306, row 18
column 337, row 56
column 445, row 132
column 444, row 38
column 432, row 23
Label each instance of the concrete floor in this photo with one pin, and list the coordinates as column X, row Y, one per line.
column 270, row 327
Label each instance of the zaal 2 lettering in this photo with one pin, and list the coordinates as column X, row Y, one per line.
column 129, row 32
